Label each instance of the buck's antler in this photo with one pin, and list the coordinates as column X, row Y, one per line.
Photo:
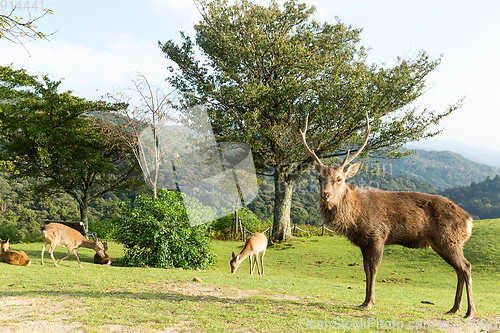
column 305, row 143
column 348, row 159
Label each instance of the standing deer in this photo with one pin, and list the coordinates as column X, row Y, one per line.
column 13, row 257
column 372, row 218
column 255, row 244
column 59, row 234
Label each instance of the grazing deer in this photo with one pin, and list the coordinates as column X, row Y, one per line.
column 59, row 234
column 106, row 260
column 372, row 218
column 255, row 244
column 13, row 257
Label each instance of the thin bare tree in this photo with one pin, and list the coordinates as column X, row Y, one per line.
column 142, row 116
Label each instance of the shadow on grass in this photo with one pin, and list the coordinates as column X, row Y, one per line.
column 177, row 296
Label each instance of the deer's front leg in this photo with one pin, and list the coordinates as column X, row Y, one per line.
column 372, row 256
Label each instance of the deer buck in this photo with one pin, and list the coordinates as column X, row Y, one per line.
column 59, row 234
column 254, row 245
column 13, row 257
column 372, row 218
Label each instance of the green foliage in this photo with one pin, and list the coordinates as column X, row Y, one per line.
column 46, row 136
column 25, row 215
column 157, row 233
column 265, row 68
column 225, row 225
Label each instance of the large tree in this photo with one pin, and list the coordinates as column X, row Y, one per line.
column 46, row 135
column 263, row 69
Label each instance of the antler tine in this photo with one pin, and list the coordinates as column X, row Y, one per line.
column 316, row 159
column 348, row 159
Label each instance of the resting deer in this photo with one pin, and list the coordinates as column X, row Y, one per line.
column 372, row 218
column 255, row 244
column 59, row 234
column 106, row 260
column 13, row 257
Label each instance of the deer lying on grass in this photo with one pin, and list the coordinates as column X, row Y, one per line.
column 59, row 234
column 372, row 218
column 13, row 257
column 106, row 260
column 255, row 244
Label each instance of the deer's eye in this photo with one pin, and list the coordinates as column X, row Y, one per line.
column 339, row 180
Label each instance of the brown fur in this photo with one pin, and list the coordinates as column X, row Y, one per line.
column 372, row 218
column 59, row 234
column 106, row 260
column 254, row 245
column 13, row 257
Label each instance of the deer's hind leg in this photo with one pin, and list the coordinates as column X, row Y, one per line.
column 262, row 261
column 43, row 250
column 51, row 252
column 454, row 256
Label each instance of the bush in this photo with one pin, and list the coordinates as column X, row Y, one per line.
column 105, row 229
column 223, row 226
column 157, row 233
column 10, row 231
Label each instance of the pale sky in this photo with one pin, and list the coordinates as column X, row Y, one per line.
column 98, row 43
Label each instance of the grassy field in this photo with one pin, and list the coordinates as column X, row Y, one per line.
column 311, row 284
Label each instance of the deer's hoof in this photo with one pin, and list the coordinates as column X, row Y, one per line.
column 469, row 315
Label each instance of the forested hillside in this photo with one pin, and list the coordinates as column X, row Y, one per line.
column 481, row 200
column 443, row 169
column 21, row 216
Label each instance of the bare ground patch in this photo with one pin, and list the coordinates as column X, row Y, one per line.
column 21, row 314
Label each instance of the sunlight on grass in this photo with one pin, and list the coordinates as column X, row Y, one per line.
column 308, row 280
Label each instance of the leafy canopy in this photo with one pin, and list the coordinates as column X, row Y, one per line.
column 265, row 68
column 46, row 136
column 262, row 70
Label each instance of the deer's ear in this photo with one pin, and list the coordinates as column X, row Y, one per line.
column 351, row 170
column 234, row 255
column 318, row 167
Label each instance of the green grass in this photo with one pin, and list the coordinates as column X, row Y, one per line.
column 309, row 283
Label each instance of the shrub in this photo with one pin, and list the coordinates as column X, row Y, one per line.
column 10, row 231
column 157, row 233
column 105, row 229
column 224, row 225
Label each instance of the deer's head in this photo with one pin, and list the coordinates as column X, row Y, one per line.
column 5, row 244
column 234, row 263
column 100, row 247
column 332, row 179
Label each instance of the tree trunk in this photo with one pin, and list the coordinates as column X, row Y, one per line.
column 283, row 189
column 84, row 217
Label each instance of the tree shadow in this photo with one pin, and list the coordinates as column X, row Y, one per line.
column 177, row 296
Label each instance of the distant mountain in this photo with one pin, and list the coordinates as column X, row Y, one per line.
column 474, row 153
column 443, row 169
